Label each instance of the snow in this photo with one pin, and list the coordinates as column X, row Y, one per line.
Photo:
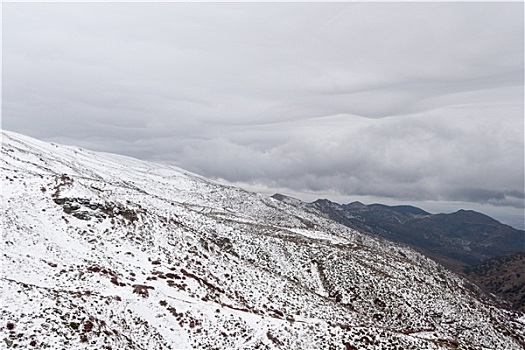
column 161, row 258
column 320, row 235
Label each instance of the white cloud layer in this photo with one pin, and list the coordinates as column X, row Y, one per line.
column 405, row 101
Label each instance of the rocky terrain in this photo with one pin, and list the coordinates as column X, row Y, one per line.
column 101, row 251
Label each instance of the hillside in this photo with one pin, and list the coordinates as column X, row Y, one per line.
column 102, row 251
column 503, row 276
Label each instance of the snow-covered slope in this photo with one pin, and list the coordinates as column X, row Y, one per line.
column 101, row 251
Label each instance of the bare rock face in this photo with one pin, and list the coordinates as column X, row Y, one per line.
column 101, row 251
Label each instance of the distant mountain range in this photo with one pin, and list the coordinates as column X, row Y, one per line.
column 462, row 238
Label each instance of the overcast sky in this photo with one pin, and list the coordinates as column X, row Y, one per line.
column 413, row 103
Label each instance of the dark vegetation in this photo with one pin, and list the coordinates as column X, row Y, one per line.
column 503, row 276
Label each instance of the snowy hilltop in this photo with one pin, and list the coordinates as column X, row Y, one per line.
column 101, row 251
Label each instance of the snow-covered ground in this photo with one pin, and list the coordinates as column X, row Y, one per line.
column 102, row 251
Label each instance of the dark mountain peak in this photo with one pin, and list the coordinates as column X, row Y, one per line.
column 471, row 216
column 287, row 199
column 324, row 201
column 378, row 206
column 408, row 209
column 279, row 196
column 469, row 212
column 356, row 205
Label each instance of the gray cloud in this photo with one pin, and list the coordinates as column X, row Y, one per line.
column 440, row 156
column 406, row 101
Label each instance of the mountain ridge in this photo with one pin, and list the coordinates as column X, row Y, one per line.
column 466, row 237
